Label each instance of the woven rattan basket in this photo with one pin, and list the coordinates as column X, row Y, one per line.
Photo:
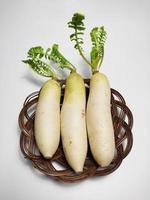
column 57, row 167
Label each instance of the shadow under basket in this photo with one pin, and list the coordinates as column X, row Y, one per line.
column 57, row 167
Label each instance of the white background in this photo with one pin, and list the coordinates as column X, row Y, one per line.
column 26, row 23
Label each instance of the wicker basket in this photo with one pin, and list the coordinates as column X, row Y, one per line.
column 122, row 121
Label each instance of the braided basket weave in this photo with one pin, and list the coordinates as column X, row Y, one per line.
column 58, row 167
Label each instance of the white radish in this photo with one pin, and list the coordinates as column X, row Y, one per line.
column 73, row 126
column 47, row 115
column 73, row 123
column 47, row 118
column 98, row 115
column 99, row 120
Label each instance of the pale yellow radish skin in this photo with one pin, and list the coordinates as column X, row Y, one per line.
column 99, row 120
column 73, row 124
column 47, row 118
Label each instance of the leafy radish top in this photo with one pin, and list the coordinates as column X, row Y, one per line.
column 59, row 59
column 98, row 38
column 38, row 58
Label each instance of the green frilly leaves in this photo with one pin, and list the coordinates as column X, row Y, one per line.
column 59, row 59
column 98, row 38
column 37, row 58
column 77, row 24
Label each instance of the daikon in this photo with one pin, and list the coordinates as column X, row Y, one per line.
column 98, row 114
column 73, row 124
column 47, row 116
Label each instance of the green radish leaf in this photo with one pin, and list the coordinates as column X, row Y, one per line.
column 36, row 52
column 36, row 57
column 59, row 59
column 98, row 38
column 77, row 25
column 40, row 67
